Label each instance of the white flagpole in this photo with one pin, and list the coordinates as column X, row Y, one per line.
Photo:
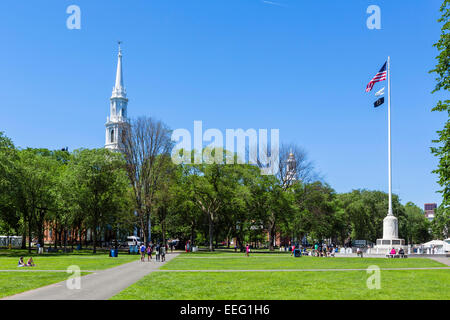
column 389, row 136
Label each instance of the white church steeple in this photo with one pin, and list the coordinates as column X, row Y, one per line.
column 117, row 123
column 119, row 88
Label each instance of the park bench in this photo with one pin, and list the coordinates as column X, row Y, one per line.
column 50, row 250
column 396, row 255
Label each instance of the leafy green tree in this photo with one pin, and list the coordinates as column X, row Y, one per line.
column 442, row 70
column 417, row 226
column 165, row 195
column 366, row 210
column 185, row 218
column 100, row 184
column 35, row 179
column 316, row 206
column 9, row 215
column 441, row 223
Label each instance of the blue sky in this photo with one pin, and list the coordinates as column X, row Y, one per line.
column 298, row 66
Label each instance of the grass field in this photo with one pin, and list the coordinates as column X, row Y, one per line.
column 17, row 282
column 256, row 262
column 86, row 261
column 401, row 284
column 23, row 280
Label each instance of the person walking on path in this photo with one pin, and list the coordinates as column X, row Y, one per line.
column 158, row 252
column 163, row 253
column 142, row 250
column 149, row 252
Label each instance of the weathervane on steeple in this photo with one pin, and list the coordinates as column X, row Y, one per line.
column 120, row 49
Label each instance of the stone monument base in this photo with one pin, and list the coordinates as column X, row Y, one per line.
column 383, row 245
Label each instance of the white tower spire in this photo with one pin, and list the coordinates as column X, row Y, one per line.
column 119, row 88
column 116, row 123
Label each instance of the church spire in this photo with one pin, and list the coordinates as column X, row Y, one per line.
column 119, row 88
column 117, row 122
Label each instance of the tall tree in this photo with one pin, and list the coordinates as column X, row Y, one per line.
column 144, row 143
column 442, row 70
column 417, row 226
column 36, row 179
column 441, row 223
column 100, row 183
column 9, row 202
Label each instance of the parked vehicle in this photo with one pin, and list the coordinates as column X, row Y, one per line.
column 15, row 241
column 133, row 241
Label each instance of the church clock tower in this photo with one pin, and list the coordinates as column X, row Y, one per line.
column 117, row 122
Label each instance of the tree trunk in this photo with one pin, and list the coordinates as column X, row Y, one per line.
column 192, row 233
column 56, row 235
column 24, row 238
column 163, row 229
column 272, row 237
column 95, row 239
column 211, row 233
column 29, row 236
column 65, row 239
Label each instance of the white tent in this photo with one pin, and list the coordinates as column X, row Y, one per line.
column 436, row 243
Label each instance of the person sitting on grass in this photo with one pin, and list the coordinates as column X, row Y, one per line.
column 21, row 263
column 30, row 262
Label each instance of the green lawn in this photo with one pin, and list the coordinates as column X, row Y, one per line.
column 17, row 282
column 23, row 280
column 276, row 262
column 417, row 284
column 85, row 261
column 401, row 284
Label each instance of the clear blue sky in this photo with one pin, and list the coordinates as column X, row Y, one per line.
column 299, row 66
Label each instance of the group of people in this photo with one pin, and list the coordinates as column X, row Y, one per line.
column 158, row 249
column 30, row 262
column 400, row 252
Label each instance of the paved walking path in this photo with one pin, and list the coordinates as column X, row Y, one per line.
column 100, row 285
column 444, row 260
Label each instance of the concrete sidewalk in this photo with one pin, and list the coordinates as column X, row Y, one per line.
column 100, row 285
column 444, row 260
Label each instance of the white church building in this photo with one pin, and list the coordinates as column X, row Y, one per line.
column 117, row 123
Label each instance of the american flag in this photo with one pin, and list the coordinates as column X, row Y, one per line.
column 380, row 76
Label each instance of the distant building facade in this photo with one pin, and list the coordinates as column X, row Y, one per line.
column 429, row 209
